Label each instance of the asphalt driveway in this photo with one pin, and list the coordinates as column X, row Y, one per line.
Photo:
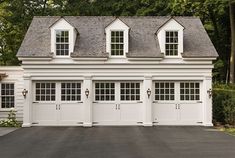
column 117, row 142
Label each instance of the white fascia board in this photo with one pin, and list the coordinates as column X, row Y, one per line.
column 199, row 59
column 35, row 58
column 144, row 59
column 90, row 59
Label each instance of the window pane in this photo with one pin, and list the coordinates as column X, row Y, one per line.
column 189, row 91
column 130, row 90
column 117, row 43
column 164, row 91
column 7, row 95
column 104, row 91
column 70, row 91
column 171, row 45
column 62, row 43
column 45, row 92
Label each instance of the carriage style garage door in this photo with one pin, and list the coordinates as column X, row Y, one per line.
column 117, row 103
column 177, row 103
column 57, row 103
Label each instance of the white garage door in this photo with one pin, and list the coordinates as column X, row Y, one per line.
column 57, row 103
column 177, row 103
column 117, row 103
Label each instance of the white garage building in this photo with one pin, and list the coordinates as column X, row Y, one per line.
column 101, row 70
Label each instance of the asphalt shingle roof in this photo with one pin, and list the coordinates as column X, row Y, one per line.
column 90, row 42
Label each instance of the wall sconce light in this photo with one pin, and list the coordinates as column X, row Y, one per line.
column 87, row 93
column 209, row 93
column 148, row 92
column 24, row 93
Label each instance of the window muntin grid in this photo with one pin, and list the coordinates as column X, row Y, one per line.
column 71, row 91
column 171, row 43
column 62, row 43
column 7, row 95
column 164, row 91
column 45, row 91
column 189, row 91
column 129, row 91
column 117, row 44
column 104, row 91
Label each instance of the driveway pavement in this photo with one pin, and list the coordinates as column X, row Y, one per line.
column 6, row 130
column 117, row 142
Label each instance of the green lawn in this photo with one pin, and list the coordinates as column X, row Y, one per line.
column 229, row 130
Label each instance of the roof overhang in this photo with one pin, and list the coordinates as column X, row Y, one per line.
column 144, row 59
column 199, row 59
column 35, row 58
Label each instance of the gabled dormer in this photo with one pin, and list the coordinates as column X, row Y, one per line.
column 63, row 37
column 117, row 39
column 170, row 37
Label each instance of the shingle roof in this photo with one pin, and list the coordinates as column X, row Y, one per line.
column 91, row 40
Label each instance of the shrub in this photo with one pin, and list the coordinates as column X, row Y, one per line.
column 10, row 121
column 224, row 103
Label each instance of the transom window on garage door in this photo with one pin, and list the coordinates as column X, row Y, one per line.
column 130, row 91
column 164, row 91
column 71, row 91
column 189, row 91
column 104, row 91
column 45, row 91
column 7, row 95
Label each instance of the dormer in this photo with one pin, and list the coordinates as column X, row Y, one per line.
column 63, row 37
column 117, row 39
column 170, row 37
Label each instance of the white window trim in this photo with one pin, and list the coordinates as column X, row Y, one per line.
column 61, row 56
column 124, row 45
column 175, row 56
column 7, row 109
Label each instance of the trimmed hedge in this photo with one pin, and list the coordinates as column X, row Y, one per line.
column 224, row 103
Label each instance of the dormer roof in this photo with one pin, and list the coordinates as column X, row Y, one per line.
column 91, row 41
column 165, row 23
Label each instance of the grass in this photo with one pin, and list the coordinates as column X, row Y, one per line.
column 229, row 130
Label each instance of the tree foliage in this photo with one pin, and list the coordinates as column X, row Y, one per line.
column 15, row 17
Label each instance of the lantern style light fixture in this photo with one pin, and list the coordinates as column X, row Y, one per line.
column 87, row 93
column 148, row 92
column 24, row 93
column 209, row 93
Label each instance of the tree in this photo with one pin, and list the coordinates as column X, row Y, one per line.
column 232, row 56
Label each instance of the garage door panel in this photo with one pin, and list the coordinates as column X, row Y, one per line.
column 57, row 103
column 131, row 112
column 190, row 113
column 71, row 113
column 164, row 112
column 177, row 102
column 44, row 113
column 105, row 112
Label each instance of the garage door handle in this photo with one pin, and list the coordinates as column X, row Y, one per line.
column 116, row 107
column 56, row 106
column 59, row 106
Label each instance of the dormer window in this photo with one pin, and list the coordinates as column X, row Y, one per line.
column 171, row 44
column 63, row 38
column 62, row 43
column 117, row 39
column 117, row 43
column 170, row 38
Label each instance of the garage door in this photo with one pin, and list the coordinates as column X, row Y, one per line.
column 177, row 103
column 117, row 103
column 57, row 103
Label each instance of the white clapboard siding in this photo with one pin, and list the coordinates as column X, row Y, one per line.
column 14, row 75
